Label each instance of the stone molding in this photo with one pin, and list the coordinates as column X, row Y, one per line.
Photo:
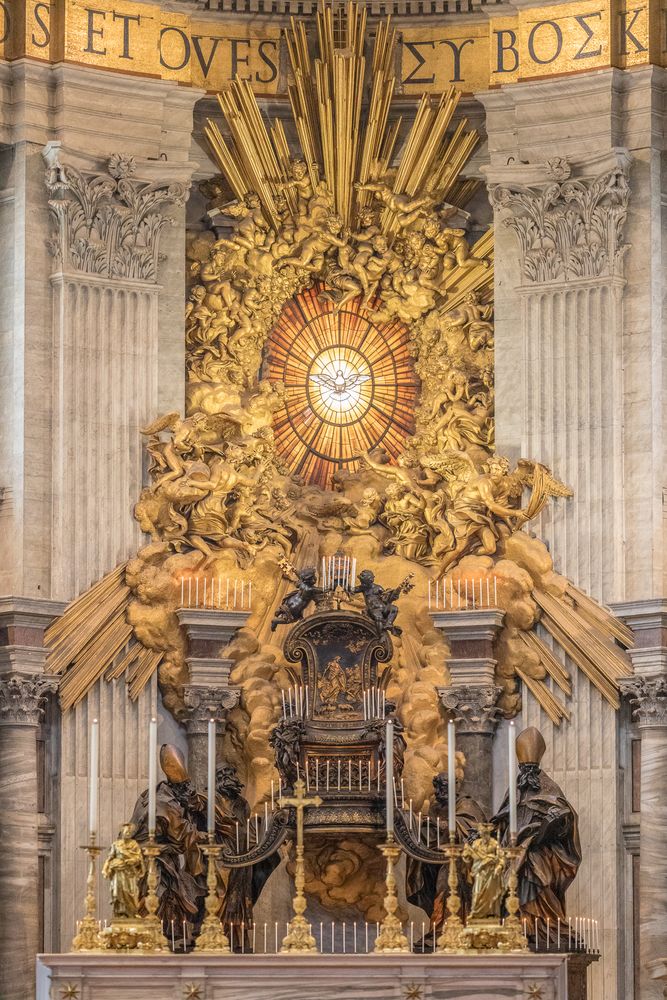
column 107, row 223
column 473, row 706
column 648, row 697
column 567, row 227
column 22, row 698
column 204, row 703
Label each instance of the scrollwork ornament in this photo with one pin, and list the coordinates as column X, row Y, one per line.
column 22, row 698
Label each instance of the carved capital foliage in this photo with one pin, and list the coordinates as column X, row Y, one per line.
column 648, row 697
column 22, row 698
column 204, row 703
column 107, row 223
column 568, row 228
column 472, row 706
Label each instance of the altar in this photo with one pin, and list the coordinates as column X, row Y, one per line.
column 301, row 977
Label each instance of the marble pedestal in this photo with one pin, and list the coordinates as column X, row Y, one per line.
column 297, row 977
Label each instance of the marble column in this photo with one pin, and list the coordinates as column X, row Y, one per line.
column 208, row 695
column 21, row 707
column 471, row 697
column 473, row 708
column 647, row 694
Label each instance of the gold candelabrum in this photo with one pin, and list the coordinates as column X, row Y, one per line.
column 299, row 938
column 451, row 936
column 151, row 922
column 87, row 937
column 391, row 937
column 212, row 937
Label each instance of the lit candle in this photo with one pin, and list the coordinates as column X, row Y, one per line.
column 211, row 778
column 152, row 777
column 512, row 780
column 451, row 778
column 93, row 780
column 389, row 774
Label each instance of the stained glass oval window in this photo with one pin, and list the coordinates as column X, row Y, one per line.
column 350, row 385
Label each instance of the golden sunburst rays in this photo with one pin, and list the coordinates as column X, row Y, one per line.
column 350, row 385
column 340, row 104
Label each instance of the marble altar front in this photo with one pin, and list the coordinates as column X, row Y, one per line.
column 295, row 977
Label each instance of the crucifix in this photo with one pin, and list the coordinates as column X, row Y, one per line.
column 298, row 937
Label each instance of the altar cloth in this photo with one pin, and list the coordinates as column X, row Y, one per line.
column 301, row 977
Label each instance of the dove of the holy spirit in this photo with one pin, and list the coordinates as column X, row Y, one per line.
column 342, row 382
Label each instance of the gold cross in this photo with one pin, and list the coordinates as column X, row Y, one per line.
column 300, row 802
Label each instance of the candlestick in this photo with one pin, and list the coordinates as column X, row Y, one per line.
column 451, row 935
column 93, row 780
column 211, row 778
column 87, row 931
column 512, row 780
column 451, row 778
column 212, row 937
column 152, row 777
column 390, row 937
column 389, row 774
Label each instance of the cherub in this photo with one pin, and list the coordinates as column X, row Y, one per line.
column 249, row 213
column 380, row 606
column 313, row 248
column 299, row 181
column 294, row 603
column 406, row 209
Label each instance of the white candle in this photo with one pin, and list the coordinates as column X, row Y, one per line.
column 437, row 594
column 236, row 583
column 152, row 776
column 182, row 589
column 324, row 573
column 197, row 592
column 284, row 708
column 429, row 595
column 190, row 592
column 93, row 779
column 389, row 774
column 249, row 594
column 512, row 779
column 354, row 574
column 211, row 778
column 451, row 778
column 204, row 591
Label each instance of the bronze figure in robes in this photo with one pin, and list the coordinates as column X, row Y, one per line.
column 547, row 834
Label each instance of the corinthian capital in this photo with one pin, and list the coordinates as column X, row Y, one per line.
column 22, row 698
column 568, row 227
column 472, row 706
column 204, row 703
column 107, row 223
column 648, row 697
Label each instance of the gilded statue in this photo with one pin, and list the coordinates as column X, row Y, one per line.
column 487, row 863
column 124, row 868
column 406, row 210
